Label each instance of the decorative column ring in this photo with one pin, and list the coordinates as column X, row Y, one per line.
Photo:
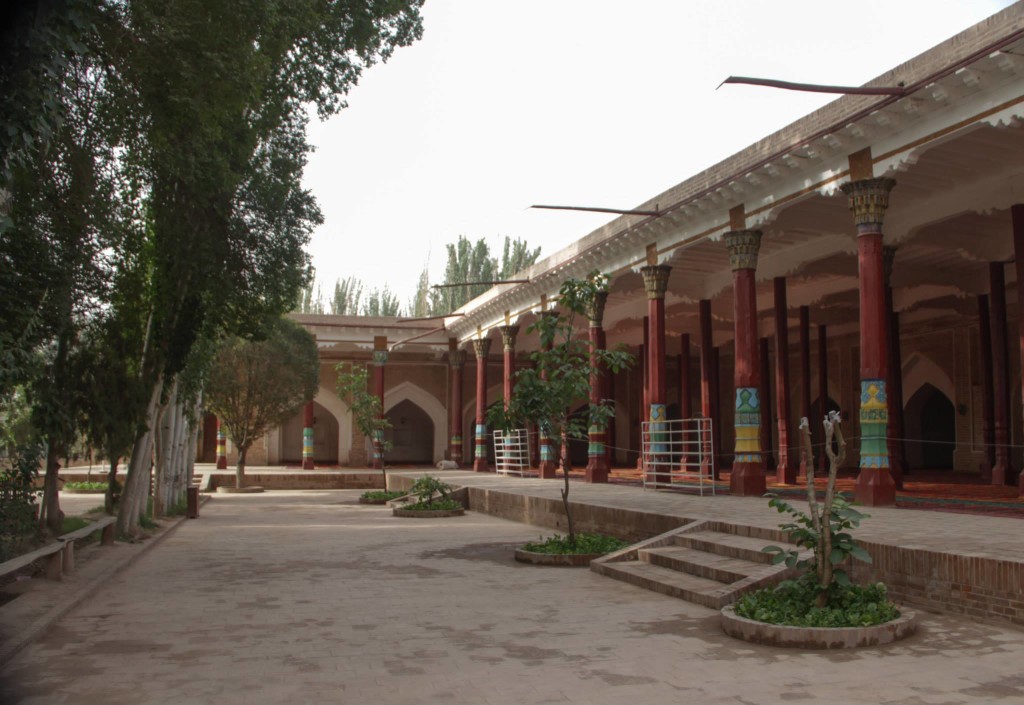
column 868, row 200
column 456, row 360
column 748, row 476
column 481, row 346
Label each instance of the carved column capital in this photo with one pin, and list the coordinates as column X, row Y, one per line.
column 482, row 346
column 656, row 280
column 380, row 357
column 457, row 358
column 508, row 337
column 595, row 309
column 869, row 198
column 743, row 248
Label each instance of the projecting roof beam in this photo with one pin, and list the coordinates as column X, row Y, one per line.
column 897, row 90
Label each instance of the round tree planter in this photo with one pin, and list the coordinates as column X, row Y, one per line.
column 818, row 637
column 364, row 500
column 570, row 560
column 427, row 513
column 73, row 490
column 240, row 490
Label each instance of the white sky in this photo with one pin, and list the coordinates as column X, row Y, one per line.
column 574, row 102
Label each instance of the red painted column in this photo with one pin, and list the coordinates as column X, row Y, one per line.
column 766, row 409
column 1017, row 215
column 655, row 284
column 897, row 460
column 380, row 357
column 222, row 447
column 805, row 377
column 785, row 471
column 716, row 411
column 685, row 395
column 1001, row 471
column 456, row 362
column 706, row 375
column 508, row 351
column 548, row 467
column 868, row 199
column 608, row 392
column 988, row 391
column 481, row 346
column 748, row 478
column 597, row 453
column 822, row 396
column 307, row 436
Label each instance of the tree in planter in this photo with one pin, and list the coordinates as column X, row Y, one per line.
column 253, row 386
column 825, row 527
column 560, row 377
column 353, row 384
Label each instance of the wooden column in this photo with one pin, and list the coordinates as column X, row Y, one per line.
column 816, row 423
column 785, row 470
column 716, row 412
column 766, row 410
column 988, row 391
column 1001, row 470
column 868, row 199
column 609, row 394
column 597, row 454
column 706, row 374
column 307, row 436
column 685, row 392
column 805, row 377
column 380, row 358
column 456, row 362
column 481, row 346
column 548, row 467
column 747, row 478
column 1017, row 215
column 222, row 447
column 655, row 284
column 508, row 349
column 897, row 459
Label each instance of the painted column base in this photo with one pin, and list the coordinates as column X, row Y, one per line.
column 786, row 473
column 875, row 488
column 481, row 465
column 1000, row 471
column 548, row 470
column 597, row 469
column 747, row 480
column 308, row 464
column 222, row 463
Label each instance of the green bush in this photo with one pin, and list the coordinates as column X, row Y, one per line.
column 427, row 486
column 382, row 495
column 443, row 503
column 792, row 603
column 85, row 486
column 585, row 543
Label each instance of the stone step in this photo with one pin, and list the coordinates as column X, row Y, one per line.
column 693, row 588
column 723, row 569
column 730, row 545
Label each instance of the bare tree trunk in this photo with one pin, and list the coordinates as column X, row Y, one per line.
column 50, row 515
column 240, row 467
column 137, row 480
column 108, row 498
column 565, row 491
column 164, row 450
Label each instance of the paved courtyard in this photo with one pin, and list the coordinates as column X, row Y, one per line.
column 294, row 597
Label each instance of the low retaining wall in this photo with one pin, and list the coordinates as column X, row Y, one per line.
column 311, row 480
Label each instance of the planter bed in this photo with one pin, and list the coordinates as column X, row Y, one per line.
column 573, row 560
column 427, row 513
column 240, row 490
column 818, row 637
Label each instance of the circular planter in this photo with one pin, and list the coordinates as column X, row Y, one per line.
column 427, row 513
column 364, row 500
column 240, row 490
column 73, row 490
column 572, row 560
column 818, row 637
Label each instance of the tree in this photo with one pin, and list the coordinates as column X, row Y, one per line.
column 469, row 262
column 348, row 294
column 381, row 302
column 353, row 388
column 560, row 377
column 515, row 257
column 255, row 385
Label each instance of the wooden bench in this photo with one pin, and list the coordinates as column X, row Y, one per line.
column 60, row 554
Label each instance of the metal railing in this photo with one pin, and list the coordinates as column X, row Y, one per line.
column 678, row 454
column 512, row 451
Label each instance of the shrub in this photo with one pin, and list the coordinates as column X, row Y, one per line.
column 85, row 486
column 584, row 544
column 441, row 504
column 382, row 495
column 427, row 486
column 793, row 603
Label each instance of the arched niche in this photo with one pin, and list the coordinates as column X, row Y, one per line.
column 329, row 405
column 929, row 418
column 411, row 434
column 428, row 403
column 918, row 371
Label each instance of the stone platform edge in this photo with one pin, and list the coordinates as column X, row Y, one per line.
column 976, row 586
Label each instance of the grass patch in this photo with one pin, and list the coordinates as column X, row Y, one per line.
column 585, row 543
column 85, row 486
column 382, row 495
column 791, row 603
column 440, row 504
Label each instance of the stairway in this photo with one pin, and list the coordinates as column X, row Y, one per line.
column 708, row 563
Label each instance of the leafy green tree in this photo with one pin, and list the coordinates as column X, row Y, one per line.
column 545, row 393
column 419, row 306
column 472, row 262
column 311, row 300
column 253, row 386
column 353, row 388
column 381, row 302
column 348, row 294
column 515, row 257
